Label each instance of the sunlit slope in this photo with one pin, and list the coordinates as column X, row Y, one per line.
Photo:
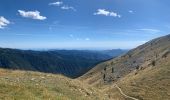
column 152, row 83
column 147, row 55
column 143, row 73
column 21, row 85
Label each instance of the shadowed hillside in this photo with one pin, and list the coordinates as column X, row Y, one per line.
column 71, row 63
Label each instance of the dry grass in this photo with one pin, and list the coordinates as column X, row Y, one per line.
column 153, row 83
column 143, row 72
column 20, row 85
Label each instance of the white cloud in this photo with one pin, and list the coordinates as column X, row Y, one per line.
column 3, row 22
column 68, row 8
column 62, row 6
column 107, row 13
column 131, row 11
column 58, row 3
column 149, row 30
column 32, row 14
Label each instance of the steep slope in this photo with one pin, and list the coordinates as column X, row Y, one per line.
column 143, row 73
column 71, row 63
column 152, row 83
column 27, row 85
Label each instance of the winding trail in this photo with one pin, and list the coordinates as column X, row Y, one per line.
column 123, row 93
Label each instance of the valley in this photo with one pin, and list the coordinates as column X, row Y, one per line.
column 84, row 49
column 71, row 63
column 141, row 74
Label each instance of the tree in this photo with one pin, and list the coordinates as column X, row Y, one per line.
column 104, row 76
column 112, row 69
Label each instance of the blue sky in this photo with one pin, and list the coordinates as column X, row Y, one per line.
column 82, row 24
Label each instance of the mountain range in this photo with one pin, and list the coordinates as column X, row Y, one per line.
column 142, row 73
column 71, row 63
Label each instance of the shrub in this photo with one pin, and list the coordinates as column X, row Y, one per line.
column 153, row 63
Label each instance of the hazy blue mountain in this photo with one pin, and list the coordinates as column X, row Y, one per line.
column 71, row 63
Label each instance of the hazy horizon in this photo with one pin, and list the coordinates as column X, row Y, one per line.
column 49, row 49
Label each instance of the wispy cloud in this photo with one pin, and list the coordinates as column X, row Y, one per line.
column 23, row 34
column 107, row 13
column 149, row 30
column 3, row 22
column 32, row 14
column 68, row 8
column 62, row 5
column 58, row 3
column 131, row 11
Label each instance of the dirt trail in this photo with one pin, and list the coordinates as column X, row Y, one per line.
column 123, row 93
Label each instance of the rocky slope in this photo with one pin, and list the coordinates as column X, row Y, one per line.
column 143, row 72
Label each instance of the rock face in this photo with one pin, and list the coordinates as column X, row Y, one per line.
column 71, row 63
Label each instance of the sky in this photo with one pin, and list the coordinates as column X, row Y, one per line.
column 82, row 24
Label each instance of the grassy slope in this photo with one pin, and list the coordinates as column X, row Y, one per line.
column 152, row 83
column 141, row 56
column 149, row 82
column 20, row 85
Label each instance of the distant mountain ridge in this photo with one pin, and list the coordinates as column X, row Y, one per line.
column 71, row 63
